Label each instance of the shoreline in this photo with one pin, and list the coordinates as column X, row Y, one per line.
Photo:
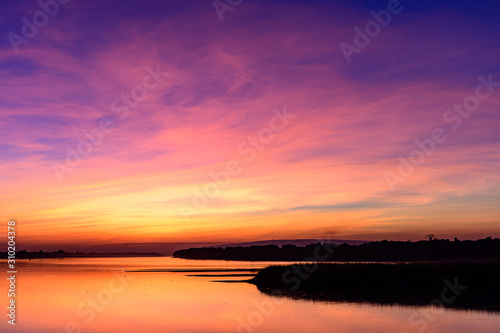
column 56, row 255
column 461, row 285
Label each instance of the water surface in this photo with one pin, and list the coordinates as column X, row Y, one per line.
column 105, row 295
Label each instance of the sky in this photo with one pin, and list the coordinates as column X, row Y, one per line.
column 229, row 121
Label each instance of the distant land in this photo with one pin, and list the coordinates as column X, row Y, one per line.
column 164, row 248
column 396, row 251
column 23, row 254
column 296, row 242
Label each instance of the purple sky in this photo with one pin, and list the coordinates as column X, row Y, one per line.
column 151, row 99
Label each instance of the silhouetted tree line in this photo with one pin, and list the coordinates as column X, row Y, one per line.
column 434, row 249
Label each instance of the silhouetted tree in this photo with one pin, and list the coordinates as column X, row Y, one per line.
column 430, row 237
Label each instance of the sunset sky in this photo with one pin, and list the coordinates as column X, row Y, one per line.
column 172, row 95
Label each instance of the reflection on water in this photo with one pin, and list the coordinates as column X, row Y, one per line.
column 106, row 295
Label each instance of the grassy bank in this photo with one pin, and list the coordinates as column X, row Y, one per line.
column 472, row 285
